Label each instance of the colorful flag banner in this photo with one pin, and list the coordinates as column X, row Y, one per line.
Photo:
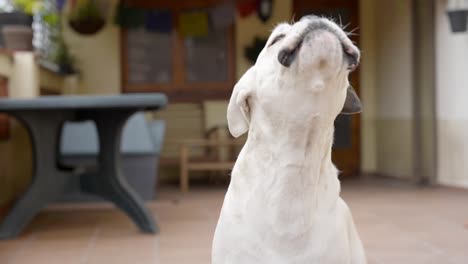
column 59, row 4
column 193, row 24
column 72, row 3
column 129, row 17
column 222, row 16
column 158, row 21
column 247, row 7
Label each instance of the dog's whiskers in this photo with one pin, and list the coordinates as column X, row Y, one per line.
column 352, row 32
column 293, row 19
column 341, row 22
column 344, row 27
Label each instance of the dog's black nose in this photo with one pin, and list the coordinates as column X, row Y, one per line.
column 286, row 56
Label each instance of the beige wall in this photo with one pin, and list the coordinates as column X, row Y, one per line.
column 386, row 80
column 386, row 84
column 368, row 87
column 250, row 27
column 452, row 94
column 98, row 57
column 386, row 87
column 102, row 51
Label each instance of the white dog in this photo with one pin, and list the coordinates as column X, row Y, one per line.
column 283, row 203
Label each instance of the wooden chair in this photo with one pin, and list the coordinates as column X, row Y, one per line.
column 220, row 155
column 219, row 148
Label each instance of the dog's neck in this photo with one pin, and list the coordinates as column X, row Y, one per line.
column 296, row 156
column 285, row 173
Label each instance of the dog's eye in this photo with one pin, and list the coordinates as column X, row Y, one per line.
column 276, row 39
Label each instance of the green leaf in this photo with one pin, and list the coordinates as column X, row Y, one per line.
column 28, row 6
column 52, row 19
column 86, row 10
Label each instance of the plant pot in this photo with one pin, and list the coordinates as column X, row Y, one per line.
column 458, row 20
column 18, row 37
column 87, row 27
column 66, row 69
column 14, row 18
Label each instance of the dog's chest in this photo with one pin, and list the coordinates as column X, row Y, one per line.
column 270, row 241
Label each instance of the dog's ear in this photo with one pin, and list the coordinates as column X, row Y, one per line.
column 238, row 112
column 352, row 103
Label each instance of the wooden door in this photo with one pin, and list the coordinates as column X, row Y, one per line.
column 4, row 120
column 346, row 147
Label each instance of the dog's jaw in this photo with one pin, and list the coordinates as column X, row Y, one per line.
column 289, row 51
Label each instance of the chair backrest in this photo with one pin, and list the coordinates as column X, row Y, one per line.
column 182, row 121
column 214, row 114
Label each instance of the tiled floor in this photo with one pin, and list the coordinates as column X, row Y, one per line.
column 397, row 223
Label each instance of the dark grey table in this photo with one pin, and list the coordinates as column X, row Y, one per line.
column 43, row 117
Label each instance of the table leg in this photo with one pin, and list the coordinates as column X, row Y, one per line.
column 48, row 182
column 109, row 181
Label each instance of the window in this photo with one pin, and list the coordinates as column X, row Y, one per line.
column 45, row 34
column 206, row 58
column 187, row 69
column 149, row 58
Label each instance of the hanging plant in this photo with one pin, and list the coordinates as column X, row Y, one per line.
column 58, row 54
column 252, row 51
column 458, row 15
column 87, row 17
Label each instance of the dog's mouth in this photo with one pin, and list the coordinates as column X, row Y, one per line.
column 288, row 55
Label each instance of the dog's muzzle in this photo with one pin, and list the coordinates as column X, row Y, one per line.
column 288, row 54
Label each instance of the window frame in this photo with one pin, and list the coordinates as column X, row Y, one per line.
column 178, row 89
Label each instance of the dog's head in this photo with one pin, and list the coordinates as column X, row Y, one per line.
column 302, row 72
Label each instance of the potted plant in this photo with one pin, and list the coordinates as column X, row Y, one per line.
column 60, row 57
column 87, row 17
column 16, row 24
column 63, row 58
column 458, row 14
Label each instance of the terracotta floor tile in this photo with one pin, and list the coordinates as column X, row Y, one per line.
column 398, row 223
column 58, row 251
column 9, row 249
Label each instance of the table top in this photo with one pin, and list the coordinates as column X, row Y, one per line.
column 60, row 102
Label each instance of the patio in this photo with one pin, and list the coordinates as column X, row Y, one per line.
column 398, row 223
